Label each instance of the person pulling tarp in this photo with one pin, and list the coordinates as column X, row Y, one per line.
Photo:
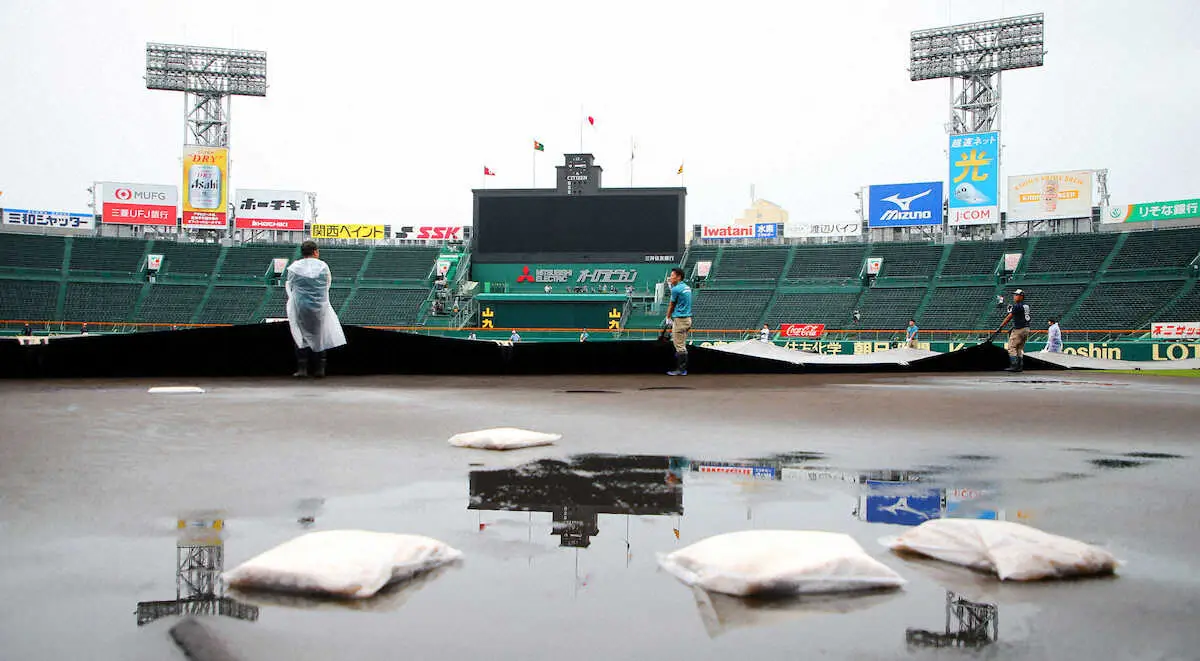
column 315, row 325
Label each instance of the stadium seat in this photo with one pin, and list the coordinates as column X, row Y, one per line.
column 695, row 255
column 385, row 307
column 344, row 263
column 1157, row 250
column 100, row 301
column 973, row 258
column 30, row 252
column 232, row 305
column 253, row 261
column 911, row 261
column 401, row 264
column 887, row 308
column 750, row 264
column 276, row 304
column 93, row 255
column 28, row 300
column 825, row 263
column 834, row 310
column 1187, row 308
column 1122, row 305
column 171, row 304
column 956, row 308
column 729, row 309
column 1070, row 253
column 187, row 259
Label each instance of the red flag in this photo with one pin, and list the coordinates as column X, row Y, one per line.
column 591, row 120
column 488, row 172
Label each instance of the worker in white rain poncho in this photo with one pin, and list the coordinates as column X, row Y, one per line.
column 315, row 326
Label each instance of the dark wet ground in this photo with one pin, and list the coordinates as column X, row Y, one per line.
column 560, row 542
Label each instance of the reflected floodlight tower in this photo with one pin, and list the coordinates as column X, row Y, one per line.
column 208, row 77
column 972, row 56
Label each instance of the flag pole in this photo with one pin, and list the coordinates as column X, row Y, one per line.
column 534, row 177
column 581, row 128
column 632, row 146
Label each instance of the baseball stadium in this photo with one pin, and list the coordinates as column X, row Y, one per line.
column 177, row 424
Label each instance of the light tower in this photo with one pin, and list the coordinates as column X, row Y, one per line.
column 208, row 78
column 972, row 55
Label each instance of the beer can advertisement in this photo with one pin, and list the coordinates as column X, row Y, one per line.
column 205, row 187
column 138, row 204
column 1050, row 195
column 256, row 209
column 974, row 179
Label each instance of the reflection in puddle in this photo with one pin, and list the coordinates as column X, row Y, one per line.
column 968, row 624
column 199, row 561
column 722, row 613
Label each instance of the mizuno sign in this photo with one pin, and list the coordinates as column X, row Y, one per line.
column 905, row 205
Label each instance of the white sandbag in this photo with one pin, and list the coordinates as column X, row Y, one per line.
column 779, row 563
column 340, row 563
column 1012, row 551
column 174, row 390
column 502, row 438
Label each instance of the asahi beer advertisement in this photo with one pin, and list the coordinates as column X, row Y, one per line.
column 205, row 187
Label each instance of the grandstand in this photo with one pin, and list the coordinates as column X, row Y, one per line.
column 116, row 256
column 188, row 260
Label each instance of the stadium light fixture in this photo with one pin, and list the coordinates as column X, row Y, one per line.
column 208, row 77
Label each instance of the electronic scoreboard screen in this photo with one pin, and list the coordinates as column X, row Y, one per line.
column 517, row 226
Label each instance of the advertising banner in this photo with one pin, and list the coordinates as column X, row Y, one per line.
column 139, row 204
column 801, row 230
column 874, row 265
column 431, row 233
column 205, row 187
column 49, row 219
column 906, row 504
column 339, row 231
column 1050, row 195
column 974, row 179
column 1011, row 261
column 766, row 230
column 1151, row 211
column 904, row 205
column 726, row 232
column 154, row 261
column 1177, row 330
column 1164, row 350
column 801, row 330
column 256, row 209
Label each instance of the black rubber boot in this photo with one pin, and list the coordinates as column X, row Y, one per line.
column 301, row 363
column 319, row 371
column 1020, row 363
column 1014, row 364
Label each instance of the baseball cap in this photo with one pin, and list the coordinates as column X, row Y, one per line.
column 1019, row 292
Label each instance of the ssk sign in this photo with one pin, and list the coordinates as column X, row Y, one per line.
column 139, row 204
column 811, row 331
column 430, row 232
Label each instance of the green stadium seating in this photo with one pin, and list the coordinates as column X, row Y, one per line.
column 697, row 254
column 1122, row 305
column 1157, row 249
column 1045, row 300
column 31, row 252
column 253, row 260
column 916, row 261
column 1070, row 253
column 28, row 300
column 90, row 255
column 1186, row 308
column 187, row 259
column 887, row 308
column 414, row 264
column 833, row 310
column 956, row 308
column 171, row 304
column 232, row 305
column 764, row 264
column 100, row 301
column 344, row 263
column 728, row 309
column 832, row 262
column 276, row 305
column 973, row 258
column 385, row 307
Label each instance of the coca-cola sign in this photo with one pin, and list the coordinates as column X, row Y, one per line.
column 810, row 331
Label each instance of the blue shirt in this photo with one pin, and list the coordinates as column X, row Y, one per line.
column 681, row 296
column 912, row 332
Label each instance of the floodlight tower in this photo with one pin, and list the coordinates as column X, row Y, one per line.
column 208, row 78
column 972, row 55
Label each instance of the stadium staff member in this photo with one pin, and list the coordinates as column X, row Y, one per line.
column 679, row 317
column 910, row 336
column 583, row 335
column 315, row 326
column 1020, row 316
column 1053, row 337
column 764, row 334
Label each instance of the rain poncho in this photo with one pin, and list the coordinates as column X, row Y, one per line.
column 1054, row 339
column 314, row 323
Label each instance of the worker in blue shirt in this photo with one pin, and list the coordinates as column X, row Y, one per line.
column 910, row 336
column 679, row 316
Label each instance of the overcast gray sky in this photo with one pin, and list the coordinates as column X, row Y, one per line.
column 390, row 111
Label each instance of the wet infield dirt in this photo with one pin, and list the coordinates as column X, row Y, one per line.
column 560, row 542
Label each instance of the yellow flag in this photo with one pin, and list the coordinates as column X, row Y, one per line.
column 680, row 170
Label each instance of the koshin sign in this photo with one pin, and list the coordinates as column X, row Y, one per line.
column 138, row 204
